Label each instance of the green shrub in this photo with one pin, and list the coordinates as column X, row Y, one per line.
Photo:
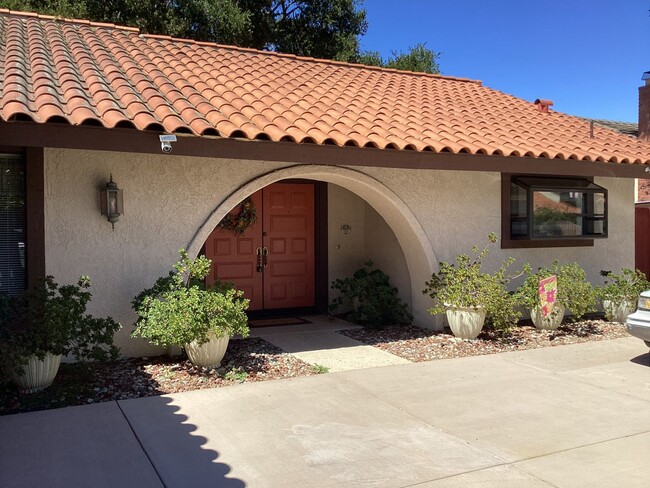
column 179, row 309
column 319, row 369
column 374, row 301
column 625, row 286
column 573, row 289
column 464, row 284
column 52, row 318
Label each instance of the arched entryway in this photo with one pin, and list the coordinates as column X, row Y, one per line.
column 419, row 255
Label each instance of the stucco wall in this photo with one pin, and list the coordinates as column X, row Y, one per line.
column 433, row 214
column 345, row 251
column 382, row 247
column 370, row 237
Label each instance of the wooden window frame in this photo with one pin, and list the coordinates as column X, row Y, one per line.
column 34, row 160
column 508, row 243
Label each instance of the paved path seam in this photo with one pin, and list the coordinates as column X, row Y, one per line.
column 137, row 438
column 460, row 475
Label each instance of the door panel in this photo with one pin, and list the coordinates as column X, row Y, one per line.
column 289, row 227
column 285, row 229
column 234, row 258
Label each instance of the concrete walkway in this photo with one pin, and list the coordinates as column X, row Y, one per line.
column 569, row 416
column 318, row 343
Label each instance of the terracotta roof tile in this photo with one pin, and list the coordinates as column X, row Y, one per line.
column 99, row 74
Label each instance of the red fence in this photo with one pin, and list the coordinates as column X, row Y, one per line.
column 642, row 239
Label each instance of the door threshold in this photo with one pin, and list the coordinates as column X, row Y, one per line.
column 277, row 321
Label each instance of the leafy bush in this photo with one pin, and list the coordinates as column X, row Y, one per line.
column 52, row 318
column 625, row 286
column 179, row 309
column 573, row 289
column 464, row 284
column 374, row 301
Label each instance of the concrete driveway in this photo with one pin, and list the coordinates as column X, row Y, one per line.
column 568, row 416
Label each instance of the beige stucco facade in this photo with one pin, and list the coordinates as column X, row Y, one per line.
column 404, row 220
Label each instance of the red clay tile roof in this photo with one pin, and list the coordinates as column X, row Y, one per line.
column 84, row 73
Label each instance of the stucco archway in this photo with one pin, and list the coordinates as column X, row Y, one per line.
column 420, row 258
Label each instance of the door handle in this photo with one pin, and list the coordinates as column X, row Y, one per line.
column 265, row 255
column 258, row 252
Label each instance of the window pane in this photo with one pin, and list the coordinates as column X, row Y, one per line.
column 595, row 227
column 518, row 204
column 557, row 214
column 12, row 225
column 568, row 213
column 519, row 228
column 599, row 203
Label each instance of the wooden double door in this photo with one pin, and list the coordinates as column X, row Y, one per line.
column 273, row 262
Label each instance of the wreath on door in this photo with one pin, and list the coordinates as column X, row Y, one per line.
column 238, row 223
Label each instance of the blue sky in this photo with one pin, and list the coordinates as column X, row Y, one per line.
column 586, row 56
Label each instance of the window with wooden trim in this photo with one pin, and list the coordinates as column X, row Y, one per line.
column 543, row 211
column 13, row 276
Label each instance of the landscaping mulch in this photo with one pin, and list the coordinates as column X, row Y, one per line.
column 246, row 360
column 416, row 344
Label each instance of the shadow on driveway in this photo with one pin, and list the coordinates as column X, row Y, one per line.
column 643, row 359
column 95, row 445
column 175, row 451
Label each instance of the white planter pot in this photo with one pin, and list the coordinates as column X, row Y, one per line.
column 38, row 374
column 466, row 322
column 208, row 354
column 552, row 321
column 618, row 311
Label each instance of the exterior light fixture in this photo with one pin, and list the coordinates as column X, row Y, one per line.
column 112, row 202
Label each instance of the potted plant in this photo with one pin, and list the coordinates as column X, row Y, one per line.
column 43, row 323
column 180, row 310
column 574, row 293
column 620, row 293
column 468, row 296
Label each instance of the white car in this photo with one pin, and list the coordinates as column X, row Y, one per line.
column 638, row 324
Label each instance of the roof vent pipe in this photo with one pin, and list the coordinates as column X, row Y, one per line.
column 543, row 105
column 644, row 108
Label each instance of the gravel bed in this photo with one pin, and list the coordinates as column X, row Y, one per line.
column 246, row 360
column 416, row 345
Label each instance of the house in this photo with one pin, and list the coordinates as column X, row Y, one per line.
column 342, row 162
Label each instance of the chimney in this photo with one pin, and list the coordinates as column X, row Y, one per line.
column 644, row 108
column 543, row 105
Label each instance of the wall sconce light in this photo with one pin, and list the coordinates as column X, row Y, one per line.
column 112, row 202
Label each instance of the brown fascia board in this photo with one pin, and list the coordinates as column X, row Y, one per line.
column 29, row 134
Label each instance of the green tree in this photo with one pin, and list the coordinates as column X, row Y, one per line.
column 418, row 58
column 62, row 8
column 320, row 28
column 327, row 29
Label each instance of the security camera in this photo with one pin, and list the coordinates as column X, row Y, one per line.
column 166, row 142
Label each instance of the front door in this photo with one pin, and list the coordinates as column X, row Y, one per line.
column 273, row 262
